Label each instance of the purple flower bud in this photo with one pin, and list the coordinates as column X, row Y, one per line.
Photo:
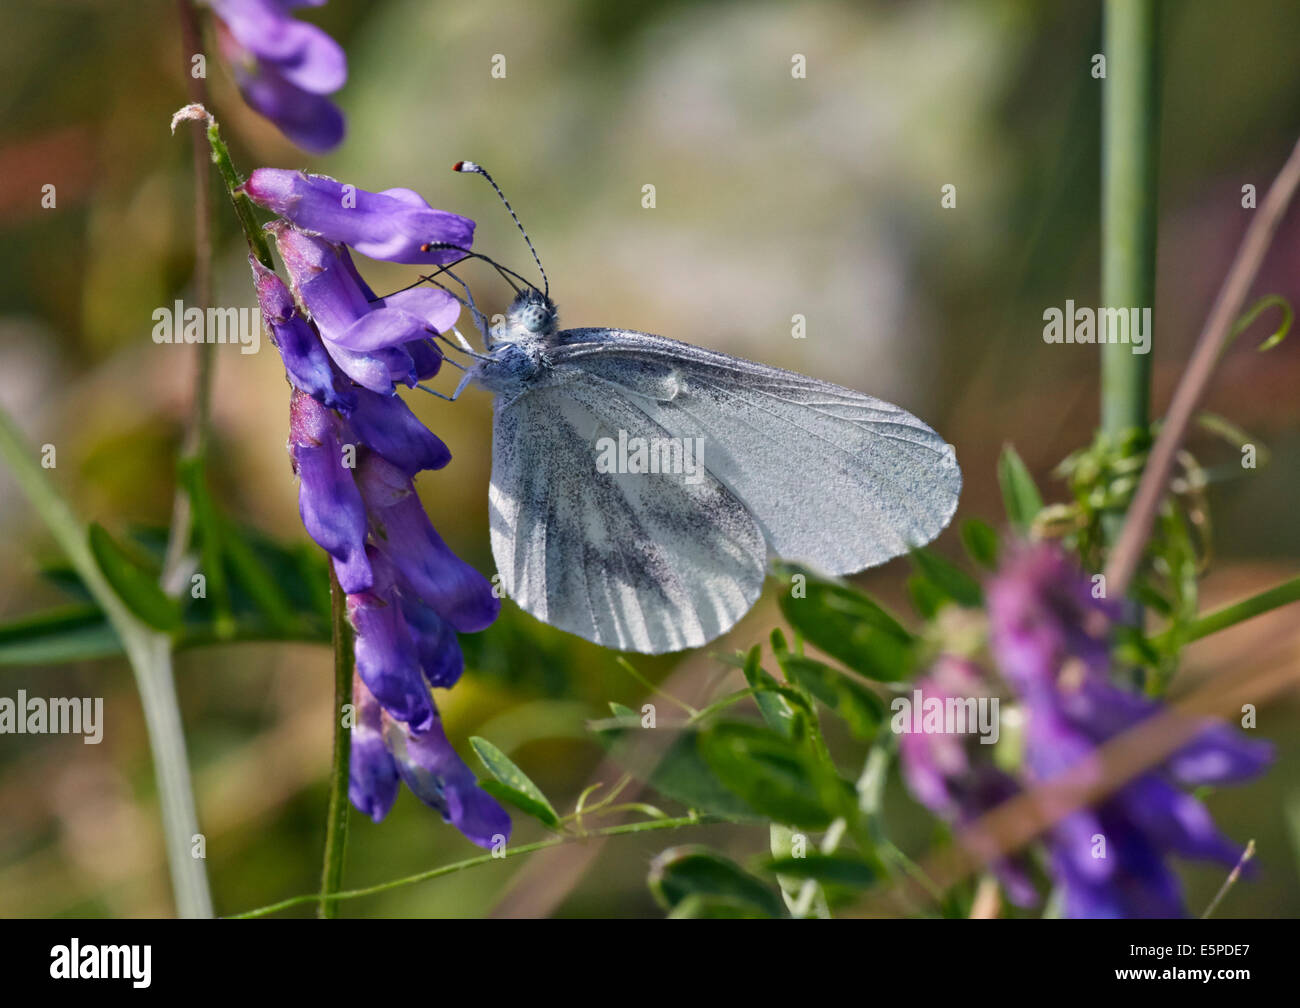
column 328, row 500
column 392, row 225
column 372, row 774
column 439, row 778
column 386, row 658
column 305, row 361
column 425, row 565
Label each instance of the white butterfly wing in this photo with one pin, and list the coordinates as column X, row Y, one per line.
column 643, row 562
column 837, row 480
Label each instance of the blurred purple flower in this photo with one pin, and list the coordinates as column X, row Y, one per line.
column 1051, row 640
column 284, row 68
column 391, row 225
column 954, row 774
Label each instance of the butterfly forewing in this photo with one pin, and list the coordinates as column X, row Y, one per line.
column 836, row 479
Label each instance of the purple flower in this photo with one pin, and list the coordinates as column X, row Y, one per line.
column 372, row 776
column 328, row 500
column 425, row 566
column 366, row 339
column 387, row 425
column 306, row 363
column 392, row 225
column 954, row 774
column 1051, row 639
column 385, row 749
column 387, row 661
column 284, row 68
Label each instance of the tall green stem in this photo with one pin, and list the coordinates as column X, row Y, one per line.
column 336, row 821
column 148, row 652
column 1130, row 143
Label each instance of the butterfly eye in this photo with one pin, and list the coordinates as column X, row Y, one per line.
column 534, row 318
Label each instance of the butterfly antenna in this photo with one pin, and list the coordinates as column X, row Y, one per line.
column 505, row 271
column 476, row 169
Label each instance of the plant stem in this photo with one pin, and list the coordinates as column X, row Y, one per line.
column 149, row 654
column 1239, row 612
column 336, row 822
column 194, row 446
column 1219, row 330
column 482, row 859
column 1130, row 141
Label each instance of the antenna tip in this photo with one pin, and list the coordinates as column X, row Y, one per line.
column 426, row 247
column 466, row 166
column 458, row 166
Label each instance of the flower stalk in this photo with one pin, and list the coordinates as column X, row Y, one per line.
column 1130, row 142
column 336, row 822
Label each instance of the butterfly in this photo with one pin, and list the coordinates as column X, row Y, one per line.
column 641, row 485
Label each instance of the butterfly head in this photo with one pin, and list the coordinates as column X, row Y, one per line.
column 532, row 315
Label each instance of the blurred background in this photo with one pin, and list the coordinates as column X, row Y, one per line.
column 774, row 197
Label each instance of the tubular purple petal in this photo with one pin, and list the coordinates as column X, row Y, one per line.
column 441, row 779
column 391, row 225
column 372, row 775
column 423, row 562
column 386, row 658
column 328, row 499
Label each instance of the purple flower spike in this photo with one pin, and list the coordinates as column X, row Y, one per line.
column 388, row 426
column 425, row 565
column 284, row 68
column 386, row 658
column 439, row 778
column 328, row 500
column 372, row 774
column 392, row 225
column 305, row 361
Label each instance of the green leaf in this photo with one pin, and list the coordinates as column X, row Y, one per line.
column 827, row 869
column 67, row 634
column 860, row 709
column 621, row 711
column 512, row 784
column 953, row 582
column 773, row 775
column 682, row 773
column 849, row 627
column 1019, row 494
column 927, row 599
column 697, row 907
column 776, row 710
column 207, row 536
column 981, row 542
column 137, row 587
column 709, row 884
